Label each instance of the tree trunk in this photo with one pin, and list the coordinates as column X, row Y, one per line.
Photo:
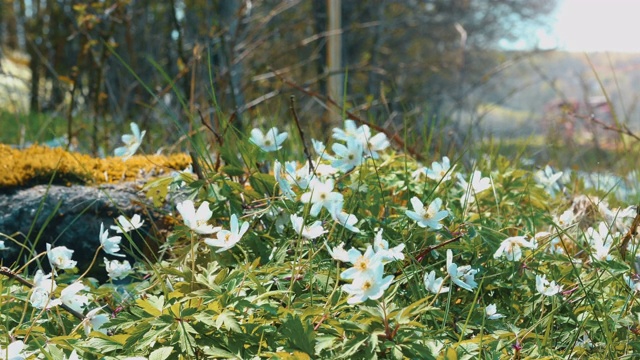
column 230, row 21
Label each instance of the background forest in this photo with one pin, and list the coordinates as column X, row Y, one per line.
column 92, row 67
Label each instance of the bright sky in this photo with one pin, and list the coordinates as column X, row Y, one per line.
column 594, row 25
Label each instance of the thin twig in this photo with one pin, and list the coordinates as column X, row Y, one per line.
column 429, row 249
column 292, row 100
column 219, row 139
column 621, row 130
column 395, row 137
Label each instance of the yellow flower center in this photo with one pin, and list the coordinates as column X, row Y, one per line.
column 430, row 213
column 367, row 285
column 362, row 263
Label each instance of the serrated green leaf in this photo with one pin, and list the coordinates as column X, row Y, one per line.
column 300, row 335
column 227, row 318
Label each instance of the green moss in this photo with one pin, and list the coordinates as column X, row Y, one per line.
column 42, row 165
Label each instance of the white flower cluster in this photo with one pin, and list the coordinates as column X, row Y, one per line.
column 198, row 220
column 367, row 270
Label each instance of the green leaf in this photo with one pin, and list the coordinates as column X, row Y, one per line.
column 157, row 190
column 227, row 318
column 161, row 354
column 262, row 183
column 233, row 170
column 136, row 336
column 300, row 335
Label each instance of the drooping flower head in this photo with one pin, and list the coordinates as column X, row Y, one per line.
column 462, row 276
column 433, row 284
column 60, row 257
column 124, row 225
column 110, row 245
column 95, row 321
column 70, row 297
column 117, row 269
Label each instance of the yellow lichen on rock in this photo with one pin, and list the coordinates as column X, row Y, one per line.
column 42, row 165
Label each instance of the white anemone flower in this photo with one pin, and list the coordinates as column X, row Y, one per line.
column 117, row 269
column 548, row 179
column 95, row 321
column 41, row 299
column 70, row 297
column 124, row 225
column 429, row 217
column 511, row 247
column 131, row 142
column 15, row 351
column 372, row 145
column 381, row 246
column 349, row 156
column 321, row 150
column 370, row 285
column 2, row 246
column 492, row 312
column 351, row 130
column 43, row 286
column 60, row 257
column 320, row 194
column 308, row 232
column 271, row 141
column 476, row 185
column 440, row 172
column 348, row 221
column 197, row 220
column 227, row 239
column 110, row 245
column 462, row 276
column 300, row 177
column 545, row 287
column 634, row 284
column 600, row 241
column 283, row 183
column 433, row 284
column 362, row 263
column 338, row 252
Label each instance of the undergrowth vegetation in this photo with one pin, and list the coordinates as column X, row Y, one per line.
column 355, row 250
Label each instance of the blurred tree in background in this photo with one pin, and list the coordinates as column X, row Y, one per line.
column 101, row 64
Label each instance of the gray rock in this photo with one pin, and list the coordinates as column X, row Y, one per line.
column 71, row 217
